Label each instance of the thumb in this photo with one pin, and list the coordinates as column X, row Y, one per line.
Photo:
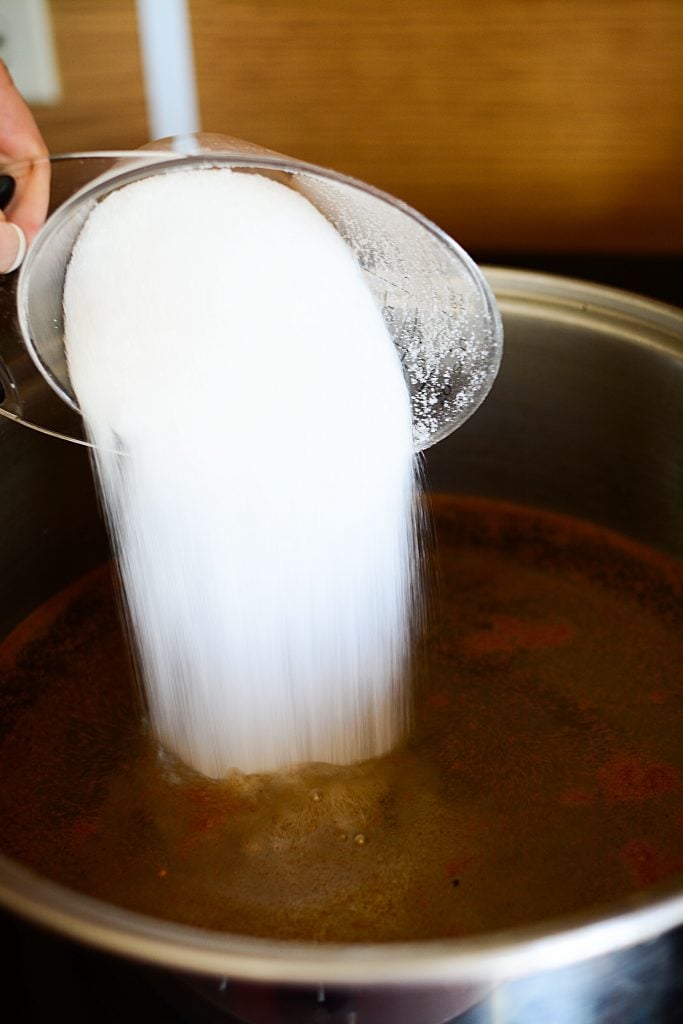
column 12, row 247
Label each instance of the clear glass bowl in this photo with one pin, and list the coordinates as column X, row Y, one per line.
column 436, row 303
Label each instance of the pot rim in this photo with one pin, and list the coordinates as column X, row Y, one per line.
column 631, row 317
column 489, row 958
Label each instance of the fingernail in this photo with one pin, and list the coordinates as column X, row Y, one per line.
column 21, row 249
column 7, row 187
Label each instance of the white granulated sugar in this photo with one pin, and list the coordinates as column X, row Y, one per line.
column 219, row 332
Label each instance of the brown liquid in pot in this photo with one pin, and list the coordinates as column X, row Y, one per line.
column 543, row 776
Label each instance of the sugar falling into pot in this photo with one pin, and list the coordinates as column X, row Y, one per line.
column 222, row 341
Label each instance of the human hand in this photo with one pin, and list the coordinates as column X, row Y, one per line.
column 25, row 156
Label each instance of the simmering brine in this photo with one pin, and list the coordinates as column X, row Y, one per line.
column 542, row 775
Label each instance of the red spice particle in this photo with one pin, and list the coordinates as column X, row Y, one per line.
column 647, row 864
column 162, row 872
column 217, row 803
column 207, row 799
column 198, row 829
column 577, row 798
column 82, row 830
column 186, row 845
column 207, row 809
column 456, row 867
column 505, row 634
column 629, row 777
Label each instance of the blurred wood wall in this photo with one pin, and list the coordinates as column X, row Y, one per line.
column 554, row 125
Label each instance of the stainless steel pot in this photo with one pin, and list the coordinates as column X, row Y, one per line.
column 586, row 418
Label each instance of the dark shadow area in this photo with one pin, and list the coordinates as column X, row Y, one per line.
column 656, row 276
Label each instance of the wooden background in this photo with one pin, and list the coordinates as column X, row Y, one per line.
column 552, row 125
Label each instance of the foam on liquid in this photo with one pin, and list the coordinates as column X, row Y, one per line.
column 219, row 332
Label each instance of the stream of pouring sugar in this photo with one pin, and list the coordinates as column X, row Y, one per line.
column 264, row 517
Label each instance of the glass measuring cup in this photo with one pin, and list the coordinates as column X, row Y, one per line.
column 436, row 303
